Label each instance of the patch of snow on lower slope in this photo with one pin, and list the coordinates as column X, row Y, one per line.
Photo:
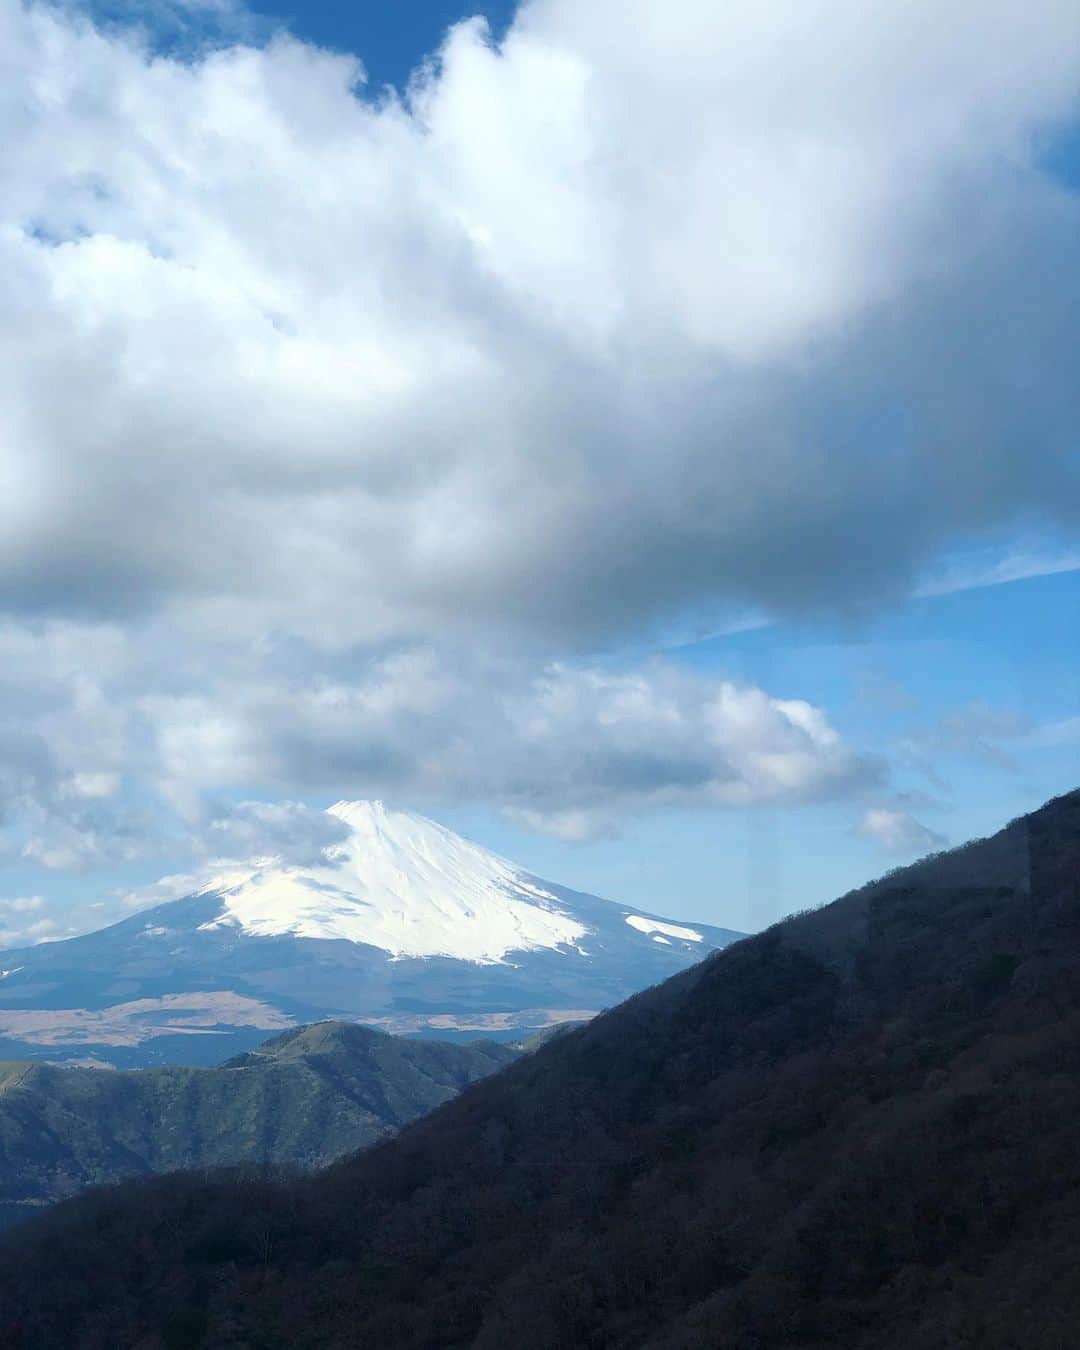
column 644, row 925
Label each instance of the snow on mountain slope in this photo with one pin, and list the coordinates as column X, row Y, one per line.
column 404, row 884
column 405, row 926
column 656, row 927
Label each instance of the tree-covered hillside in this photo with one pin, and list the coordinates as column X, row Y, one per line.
column 303, row 1098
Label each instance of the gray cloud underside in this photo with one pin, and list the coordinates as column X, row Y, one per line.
column 766, row 308
column 111, row 744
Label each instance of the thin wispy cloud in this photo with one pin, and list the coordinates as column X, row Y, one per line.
column 968, row 574
column 899, row 832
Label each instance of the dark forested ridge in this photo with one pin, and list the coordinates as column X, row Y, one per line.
column 857, row 1129
column 304, row 1098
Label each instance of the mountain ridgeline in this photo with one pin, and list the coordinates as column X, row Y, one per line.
column 304, row 1098
column 857, row 1128
column 404, row 925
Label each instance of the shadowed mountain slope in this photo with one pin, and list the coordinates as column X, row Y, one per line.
column 856, row 1129
column 303, row 1098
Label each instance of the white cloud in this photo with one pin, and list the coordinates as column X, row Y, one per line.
column 22, row 904
column 337, row 428
column 23, row 922
column 898, row 831
column 978, row 729
column 1051, row 735
column 965, row 574
column 590, row 330
column 175, row 886
column 563, row 749
column 287, row 830
column 570, row 749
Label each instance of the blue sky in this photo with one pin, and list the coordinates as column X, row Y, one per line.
column 391, row 37
column 410, row 447
column 889, row 685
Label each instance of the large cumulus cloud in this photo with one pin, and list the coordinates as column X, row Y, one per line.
column 340, row 430
column 633, row 315
column 562, row 749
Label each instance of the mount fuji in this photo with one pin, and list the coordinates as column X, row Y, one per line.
column 405, row 926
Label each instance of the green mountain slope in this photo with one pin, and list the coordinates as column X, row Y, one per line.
column 304, row 1098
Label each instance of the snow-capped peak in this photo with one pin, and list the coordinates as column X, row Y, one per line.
column 404, row 884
